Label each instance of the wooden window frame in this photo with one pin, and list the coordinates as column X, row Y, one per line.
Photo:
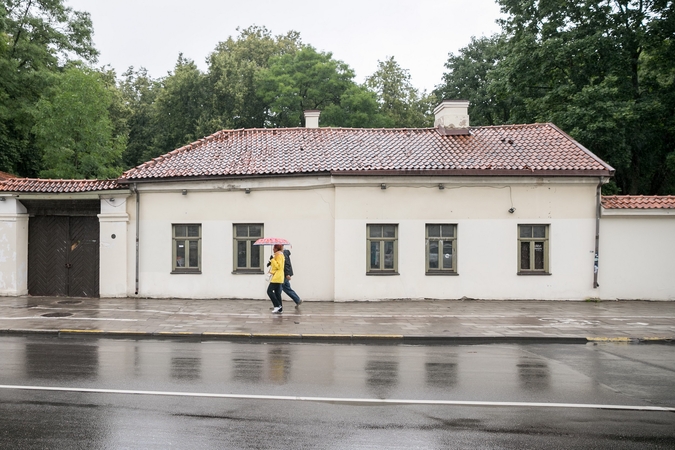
column 249, row 249
column 532, row 249
column 382, row 240
column 175, row 268
column 441, row 240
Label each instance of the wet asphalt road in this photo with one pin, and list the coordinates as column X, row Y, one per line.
column 266, row 378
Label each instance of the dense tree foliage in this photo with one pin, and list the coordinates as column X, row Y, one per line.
column 139, row 92
column 37, row 38
column 73, row 128
column 602, row 71
column 308, row 80
column 400, row 101
column 235, row 67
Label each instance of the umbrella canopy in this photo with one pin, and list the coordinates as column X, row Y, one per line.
column 271, row 241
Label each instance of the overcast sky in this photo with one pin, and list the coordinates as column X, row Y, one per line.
column 419, row 34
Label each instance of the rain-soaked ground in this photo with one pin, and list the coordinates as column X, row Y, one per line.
column 191, row 394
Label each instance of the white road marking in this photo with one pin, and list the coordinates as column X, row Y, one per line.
column 343, row 401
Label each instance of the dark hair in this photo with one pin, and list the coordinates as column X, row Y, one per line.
column 278, row 247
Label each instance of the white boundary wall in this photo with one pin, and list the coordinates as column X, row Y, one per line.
column 637, row 254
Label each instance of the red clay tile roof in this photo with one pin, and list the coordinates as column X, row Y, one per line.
column 56, row 186
column 638, row 201
column 5, row 176
column 537, row 149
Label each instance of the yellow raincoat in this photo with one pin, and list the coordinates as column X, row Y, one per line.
column 277, row 267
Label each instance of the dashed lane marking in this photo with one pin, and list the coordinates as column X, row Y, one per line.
column 343, row 401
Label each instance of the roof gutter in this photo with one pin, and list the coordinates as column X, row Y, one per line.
column 387, row 172
column 478, row 172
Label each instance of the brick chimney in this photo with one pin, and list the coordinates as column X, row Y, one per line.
column 452, row 117
column 312, row 118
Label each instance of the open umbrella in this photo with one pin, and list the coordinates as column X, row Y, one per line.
column 271, row 241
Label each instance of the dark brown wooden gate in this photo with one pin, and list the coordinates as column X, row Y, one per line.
column 63, row 254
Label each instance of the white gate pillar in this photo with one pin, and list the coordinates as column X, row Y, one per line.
column 13, row 247
column 114, row 221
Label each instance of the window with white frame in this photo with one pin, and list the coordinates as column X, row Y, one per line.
column 441, row 249
column 187, row 243
column 533, row 243
column 247, row 257
column 382, row 250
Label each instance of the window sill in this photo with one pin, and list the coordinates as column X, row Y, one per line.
column 186, row 271
column 534, row 273
column 382, row 274
column 442, row 273
column 248, row 272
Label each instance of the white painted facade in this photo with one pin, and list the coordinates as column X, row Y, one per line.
column 637, row 254
column 325, row 218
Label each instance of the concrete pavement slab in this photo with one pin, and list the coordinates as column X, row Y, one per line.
column 399, row 320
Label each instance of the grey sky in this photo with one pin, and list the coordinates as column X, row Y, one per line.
column 419, row 34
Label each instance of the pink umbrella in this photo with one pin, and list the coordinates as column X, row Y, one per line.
column 271, row 241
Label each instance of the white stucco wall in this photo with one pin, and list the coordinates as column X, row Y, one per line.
column 637, row 251
column 303, row 216
column 13, row 247
column 487, row 238
column 325, row 219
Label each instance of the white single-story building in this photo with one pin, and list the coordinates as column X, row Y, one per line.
column 453, row 211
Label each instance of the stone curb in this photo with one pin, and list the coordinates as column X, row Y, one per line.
column 342, row 338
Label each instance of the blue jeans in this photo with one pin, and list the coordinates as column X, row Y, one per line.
column 286, row 287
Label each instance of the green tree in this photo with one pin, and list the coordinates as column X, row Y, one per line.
column 595, row 82
column 602, row 71
column 400, row 102
column 304, row 80
column 73, row 128
column 358, row 108
column 473, row 74
column 37, row 37
column 180, row 109
column 139, row 92
column 234, row 67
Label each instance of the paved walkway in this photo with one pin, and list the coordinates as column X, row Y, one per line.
column 402, row 321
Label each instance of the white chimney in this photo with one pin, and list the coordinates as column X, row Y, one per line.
column 312, row 118
column 452, row 116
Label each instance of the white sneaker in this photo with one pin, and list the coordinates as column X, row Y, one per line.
column 277, row 310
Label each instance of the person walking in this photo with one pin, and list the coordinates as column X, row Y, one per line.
column 277, row 270
column 288, row 273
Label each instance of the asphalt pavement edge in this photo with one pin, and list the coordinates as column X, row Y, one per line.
column 338, row 338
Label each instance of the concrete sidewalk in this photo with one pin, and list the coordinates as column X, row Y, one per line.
column 393, row 321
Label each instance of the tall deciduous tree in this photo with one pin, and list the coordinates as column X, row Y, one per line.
column 234, row 67
column 37, row 37
column 400, row 102
column 73, row 128
column 304, row 80
column 603, row 71
column 180, row 109
column 139, row 92
column 472, row 74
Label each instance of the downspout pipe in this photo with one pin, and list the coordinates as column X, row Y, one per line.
column 598, row 211
column 138, row 229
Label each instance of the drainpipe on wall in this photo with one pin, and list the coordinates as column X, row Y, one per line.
column 598, row 209
column 138, row 227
